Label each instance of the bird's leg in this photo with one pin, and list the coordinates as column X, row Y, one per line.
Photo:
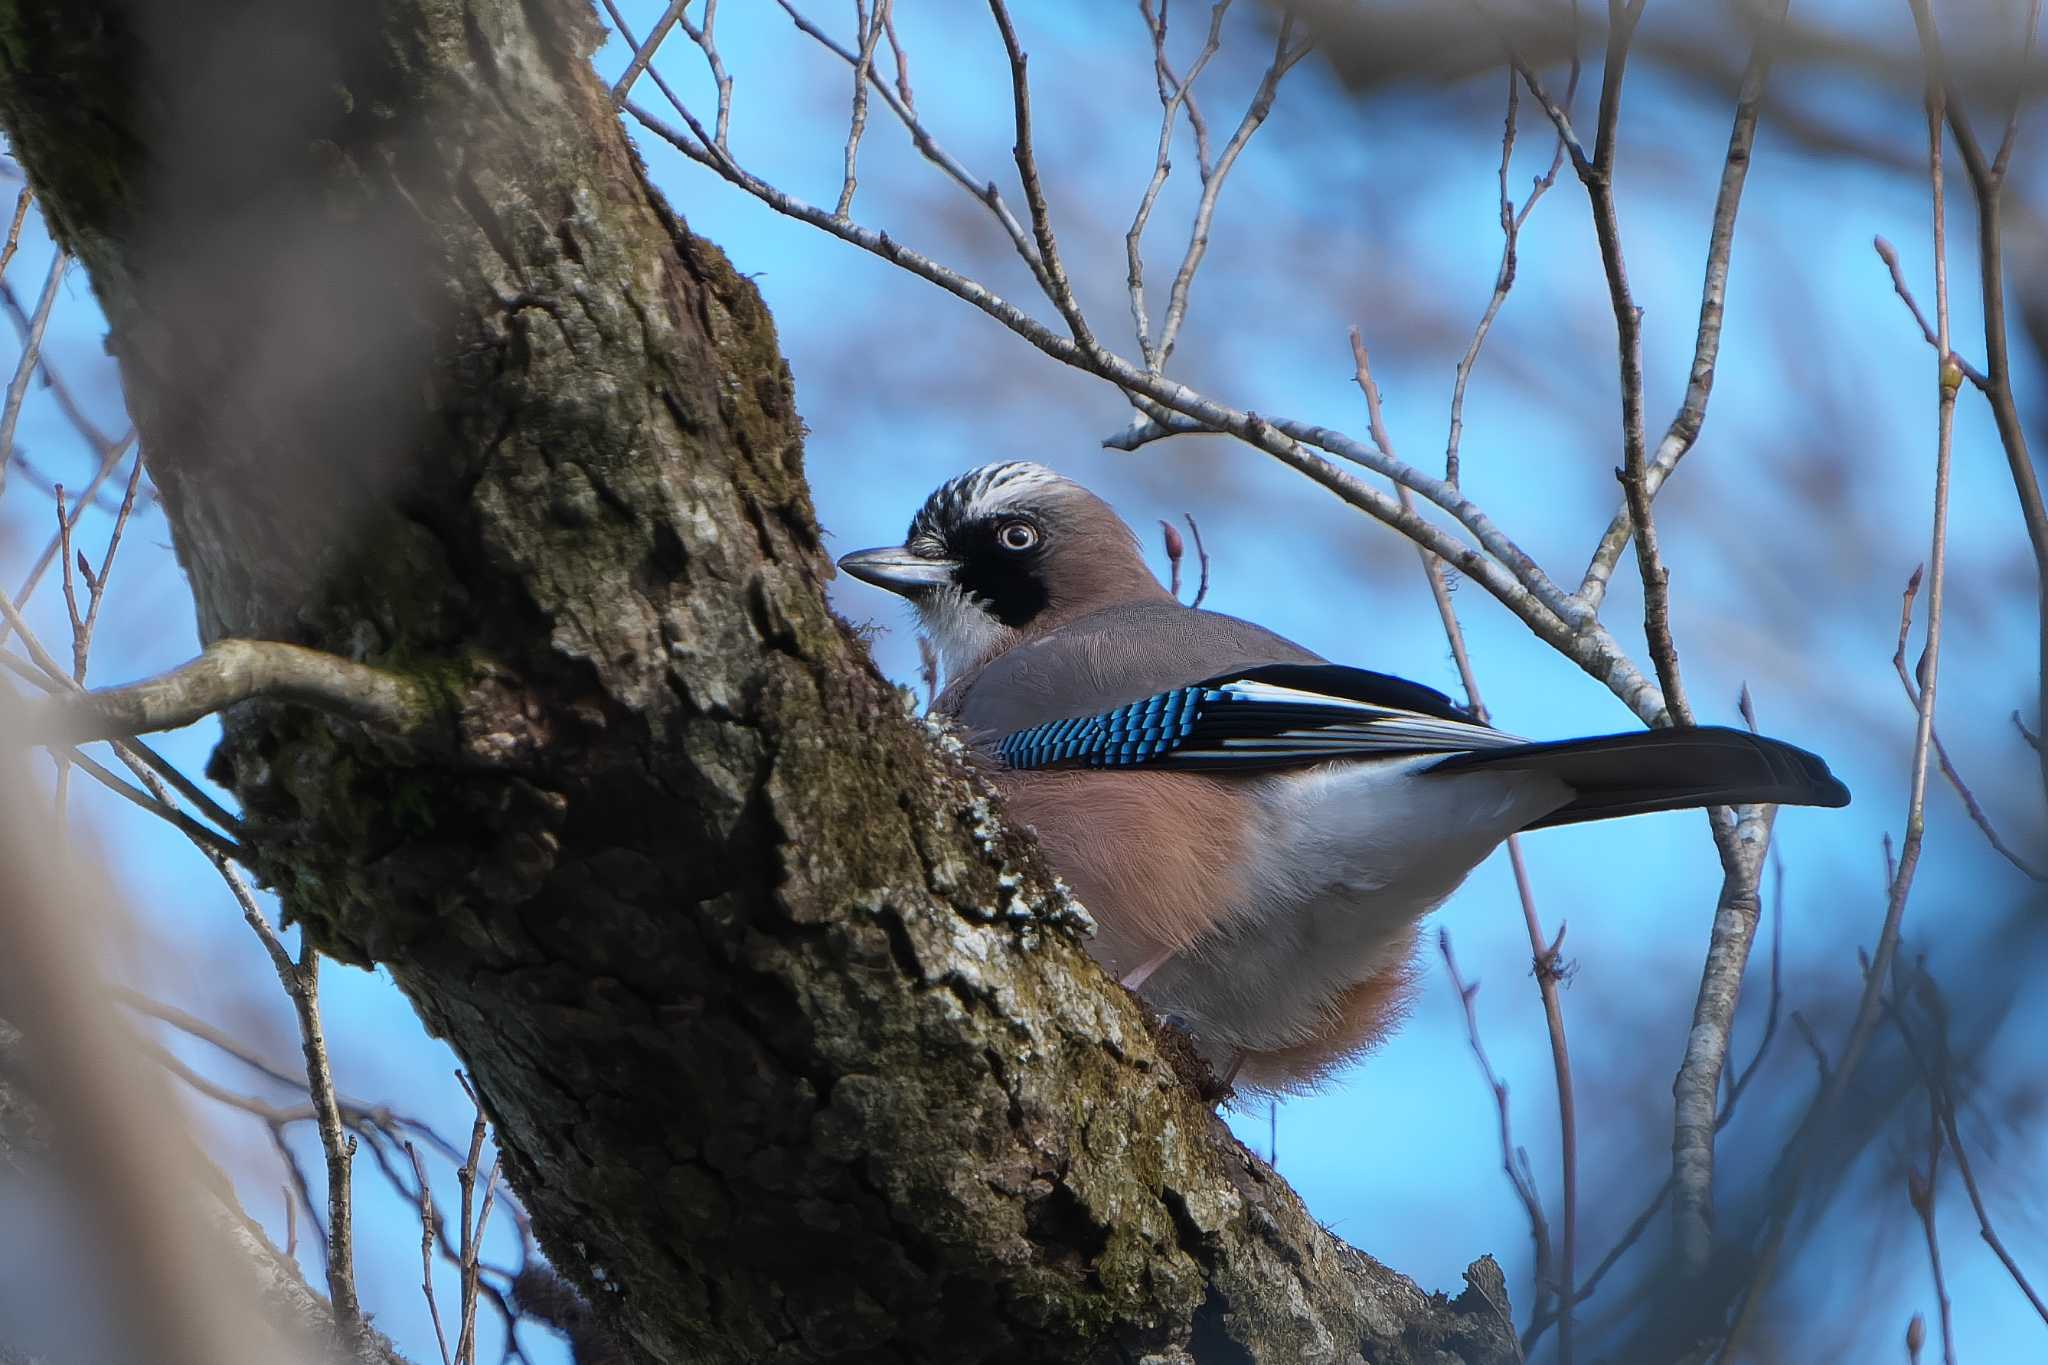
column 1143, row 972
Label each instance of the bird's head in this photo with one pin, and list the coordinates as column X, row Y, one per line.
column 1003, row 552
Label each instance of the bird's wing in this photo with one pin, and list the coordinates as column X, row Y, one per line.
column 1106, row 658
column 1275, row 715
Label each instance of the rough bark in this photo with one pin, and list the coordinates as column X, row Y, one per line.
column 789, row 1040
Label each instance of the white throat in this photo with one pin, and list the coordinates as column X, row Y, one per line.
column 961, row 629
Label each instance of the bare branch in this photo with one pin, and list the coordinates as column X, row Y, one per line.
column 1504, row 278
column 67, row 401
column 429, row 1221
column 984, row 191
column 645, row 52
column 234, row 671
column 870, row 30
column 81, row 644
column 1948, row 379
column 1201, row 561
column 21, row 202
column 1685, row 427
column 1543, row 954
column 1524, row 1186
column 1557, row 619
column 1939, row 1075
column 1948, row 768
column 1890, row 256
column 1987, row 180
column 1057, row 286
column 1173, row 93
column 1284, row 59
column 1920, row 1193
column 31, row 353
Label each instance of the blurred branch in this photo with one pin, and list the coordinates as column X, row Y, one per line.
column 1920, row 1193
column 31, row 353
column 67, row 401
column 1938, row 1073
column 1988, row 181
column 121, row 1150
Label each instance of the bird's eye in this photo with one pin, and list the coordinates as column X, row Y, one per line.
column 1017, row 535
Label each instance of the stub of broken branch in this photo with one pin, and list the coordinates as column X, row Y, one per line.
column 232, row 671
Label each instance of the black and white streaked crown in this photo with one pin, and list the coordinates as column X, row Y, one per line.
column 977, row 493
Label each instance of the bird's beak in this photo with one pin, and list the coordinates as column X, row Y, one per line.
column 899, row 570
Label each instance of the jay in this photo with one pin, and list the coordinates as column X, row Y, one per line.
column 1258, row 832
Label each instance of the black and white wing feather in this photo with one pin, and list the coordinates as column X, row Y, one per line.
column 1277, row 715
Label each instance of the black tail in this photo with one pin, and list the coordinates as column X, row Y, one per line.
column 1677, row 769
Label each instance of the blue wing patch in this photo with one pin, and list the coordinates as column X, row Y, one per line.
column 1262, row 717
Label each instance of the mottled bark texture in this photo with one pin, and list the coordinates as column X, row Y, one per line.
column 789, row 1039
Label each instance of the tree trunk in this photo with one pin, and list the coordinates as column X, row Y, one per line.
column 790, row 1041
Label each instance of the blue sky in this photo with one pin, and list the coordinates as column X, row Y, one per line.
column 1790, row 531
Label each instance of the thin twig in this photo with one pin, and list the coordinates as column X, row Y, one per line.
column 1939, row 1075
column 1987, row 181
column 14, row 228
column 31, row 353
column 1524, row 1187
column 472, row 1228
column 1948, row 768
column 1284, row 59
column 1201, row 561
column 870, row 31
column 1920, row 1193
column 1543, row 954
column 227, row 674
column 428, row 1221
column 645, row 53
column 983, row 190
column 1887, row 253
column 1174, row 91
column 1058, row 287
column 1513, row 578
column 96, row 583
column 1948, row 380
column 1511, row 225
column 59, row 539
column 67, row 401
